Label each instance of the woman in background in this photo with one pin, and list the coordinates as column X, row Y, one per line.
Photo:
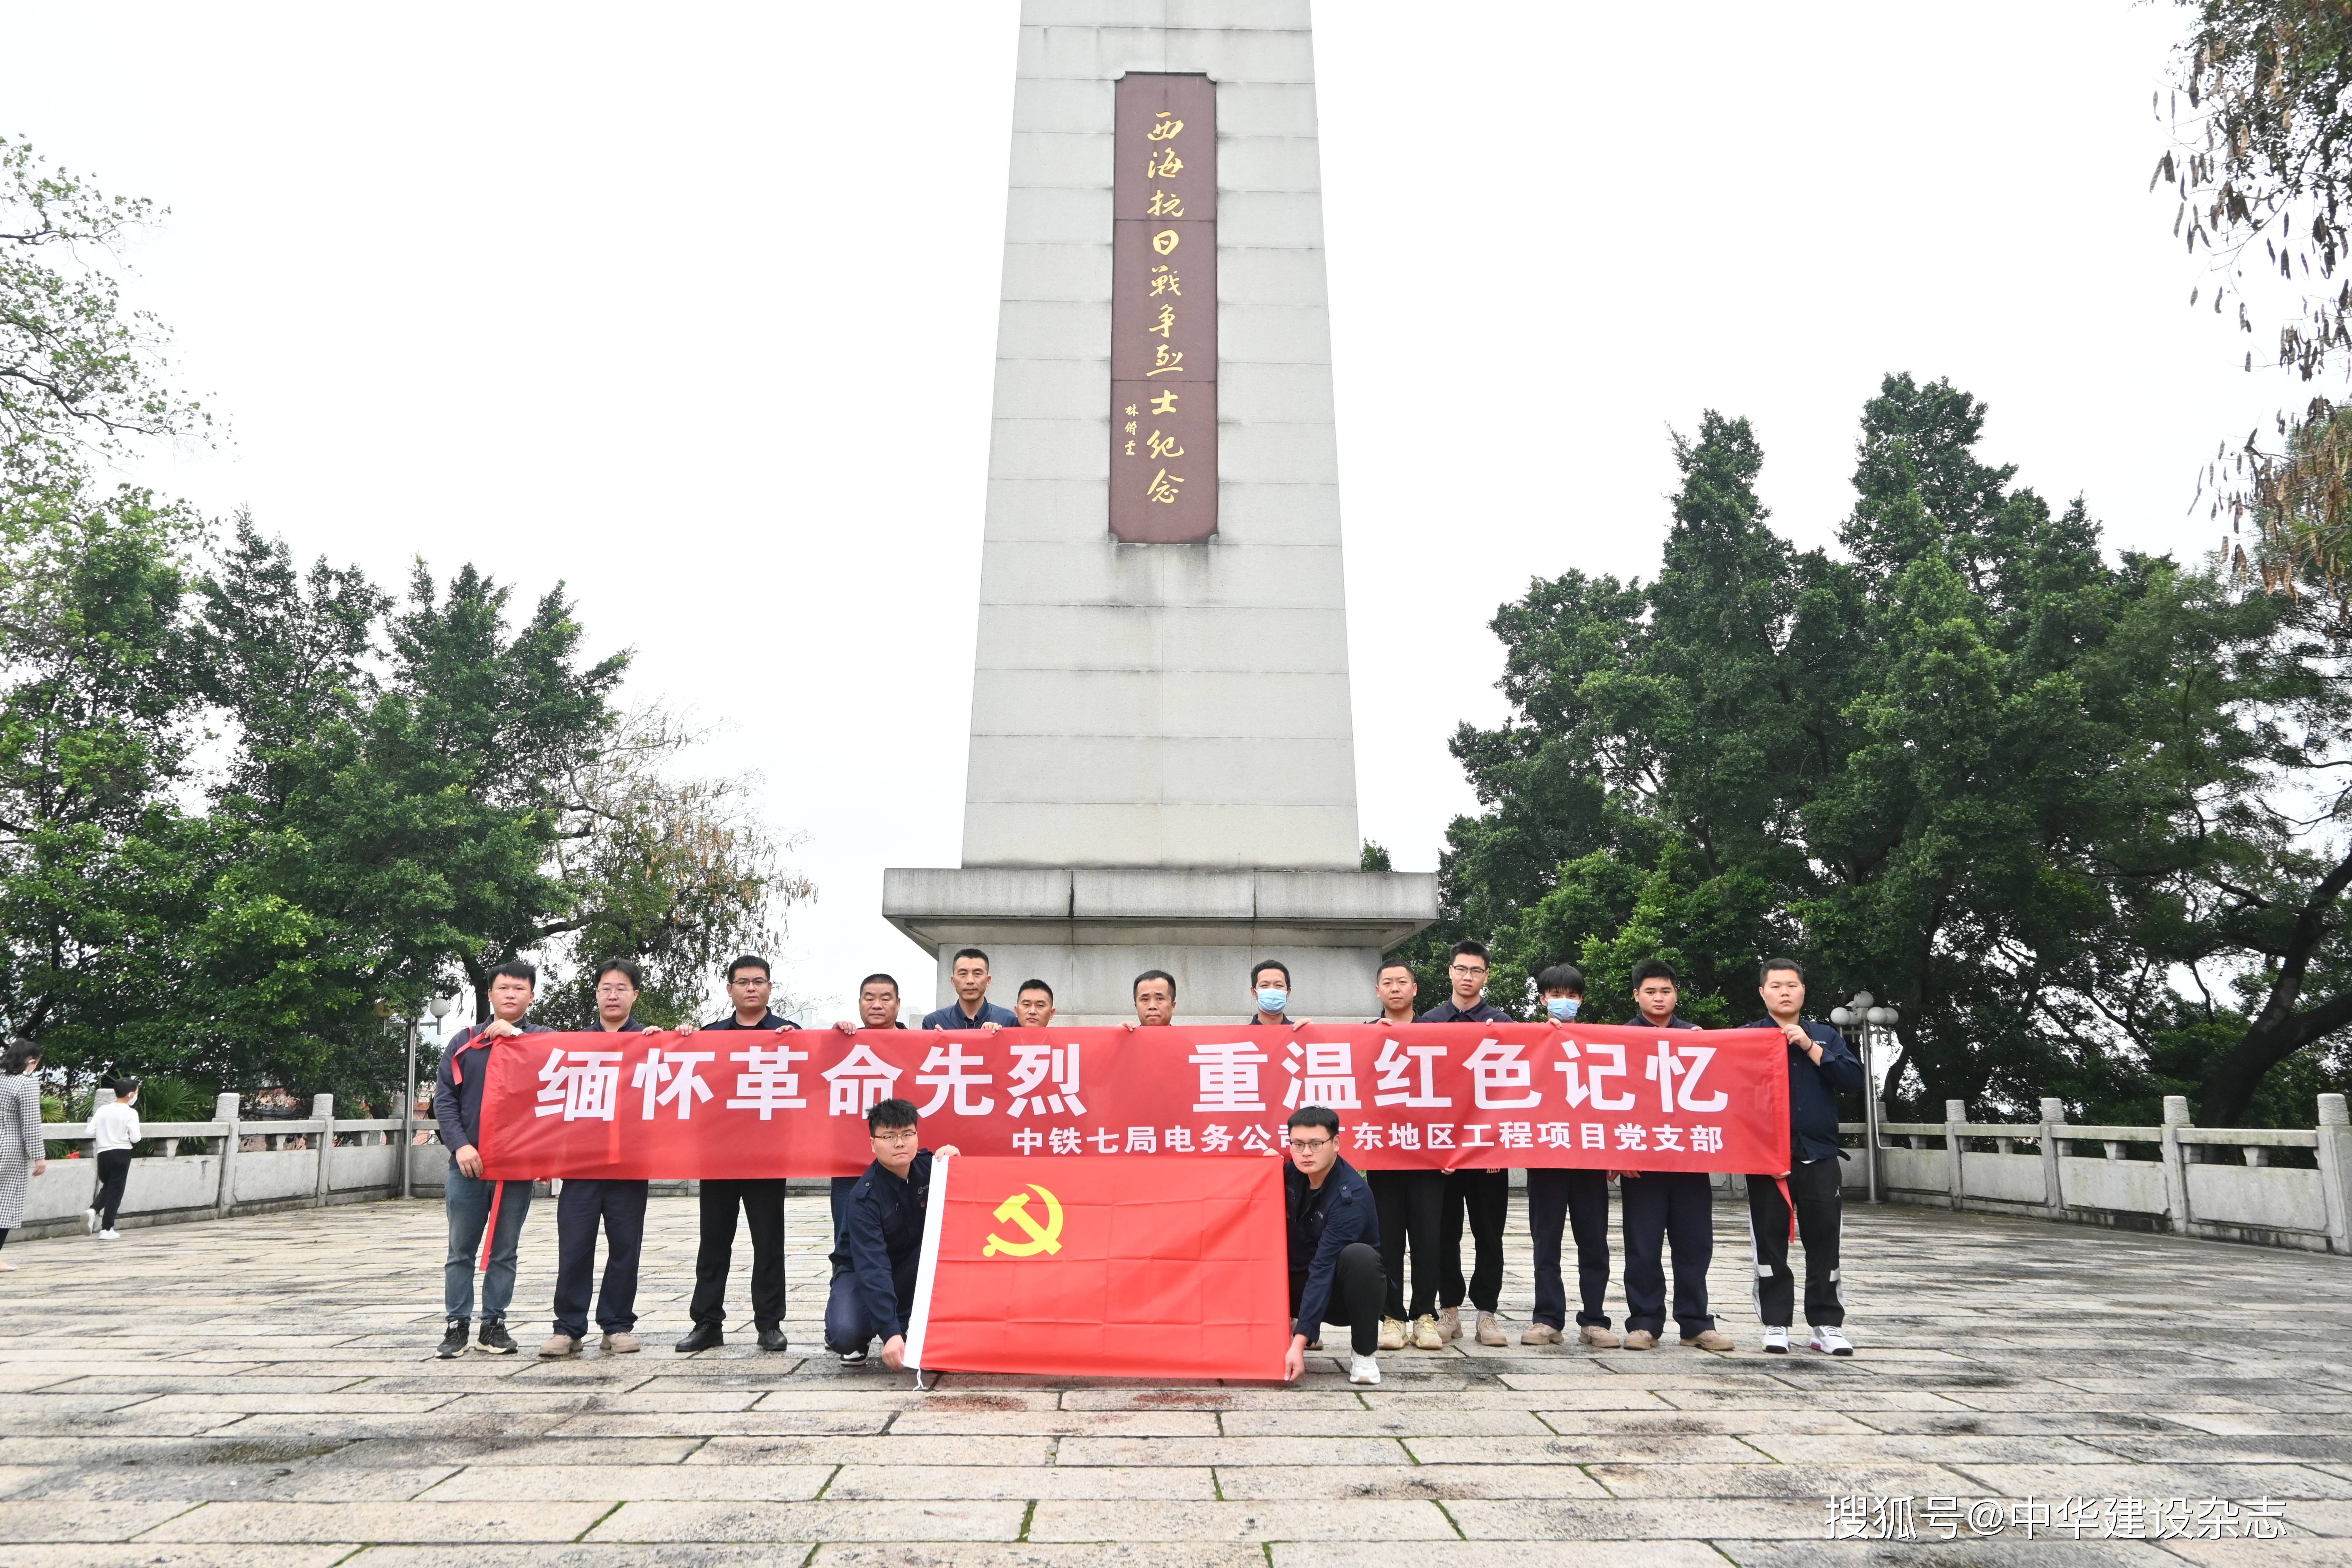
column 20, row 1133
column 112, row 1133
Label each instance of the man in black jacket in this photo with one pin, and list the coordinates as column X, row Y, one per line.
column 762, row 1200
column 1662, row 1207
column 882, row 1225
column 1821, row 1067
column 619, row 1204
column 1335, row 1242
column 466, row 1198
column 1485, row 1194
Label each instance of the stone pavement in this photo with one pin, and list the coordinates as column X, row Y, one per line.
column 261, row 1392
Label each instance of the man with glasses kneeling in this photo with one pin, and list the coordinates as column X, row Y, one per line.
column 1335, row 1247
column 882, row 1225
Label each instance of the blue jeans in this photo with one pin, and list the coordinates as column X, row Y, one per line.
column 468, row 1201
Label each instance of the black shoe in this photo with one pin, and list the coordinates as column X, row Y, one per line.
column 495, row 1338
column 702, row 1337
column 453, row 1343
column 772, row 1338
column 852, row 1358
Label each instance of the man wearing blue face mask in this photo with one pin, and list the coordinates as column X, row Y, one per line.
column 1559, row 1199
column 1270, row 982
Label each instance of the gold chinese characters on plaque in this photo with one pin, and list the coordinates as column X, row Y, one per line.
column 1163, row 313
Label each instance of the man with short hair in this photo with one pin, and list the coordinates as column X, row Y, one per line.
column 1411, row 1205
column 1033, row 1004
column 1270, row 991
column 1662, row 1206
column 1568, row 1198
column 619, row 1204
column 883, row 1227
column 1155, row 999
column 1485, row 1194
column 466, row 1197
column 1821, row 1067
column 878, row 1008
column 1335, row 1240
column 971, row 1009
column 762, row 1200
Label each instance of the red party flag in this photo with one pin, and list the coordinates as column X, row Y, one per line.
column 1103, row 1267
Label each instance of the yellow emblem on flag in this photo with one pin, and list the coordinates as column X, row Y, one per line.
column 1014, row 1210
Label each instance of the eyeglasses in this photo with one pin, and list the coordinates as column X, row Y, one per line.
column 1309, row 1146
column 897, row 1135
column 1468, row 968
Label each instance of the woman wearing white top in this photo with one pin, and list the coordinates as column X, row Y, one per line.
column 20, row 1133
column 112, row 1131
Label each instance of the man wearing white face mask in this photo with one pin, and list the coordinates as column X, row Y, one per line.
column 1559, row 1197
column 1270, row 982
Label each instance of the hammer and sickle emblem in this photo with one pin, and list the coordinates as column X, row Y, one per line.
column 1046, row 1237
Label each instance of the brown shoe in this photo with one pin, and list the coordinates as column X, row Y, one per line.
column 558, row 1347
column 1490, row 1329
column 1539, row 1334
column 620, row 1342
column 1449, row 1324
column 1425, row 1334
column 1599, row 1338
column 1708, row 1340
column 1641, row 1339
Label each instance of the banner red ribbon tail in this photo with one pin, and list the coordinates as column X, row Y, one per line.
column 491, row 1231
column 1782, row 1182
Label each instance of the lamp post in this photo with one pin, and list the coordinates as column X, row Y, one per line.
column 1865, row 1019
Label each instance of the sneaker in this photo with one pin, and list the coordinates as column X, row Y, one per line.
column 1599, row 1338
column 1426, row 1335
column 1539, row 1334
column 453, row 1343
column 1641, row 1339
column 89, row 1221
column 1393, row 1333
column 853, row 1358
column 1364, row 1369
column 1775, row 1338
column 109, row 1235
column 1830, row 1340
column 620, row 1342
column 1490, row 1329
column 495, row 1339
column 1449, row 1324
column 559, row 1346
column 1709, row 1339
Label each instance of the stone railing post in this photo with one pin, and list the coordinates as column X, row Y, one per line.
column 2176, row 1162
column 323, row 1109
column 2054, row 1128
column 225, row 1109
column 2335, row 1169
column 1955, row 1115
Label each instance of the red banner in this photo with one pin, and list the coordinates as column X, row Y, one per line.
column 733, row 1104
column 1104, row 1268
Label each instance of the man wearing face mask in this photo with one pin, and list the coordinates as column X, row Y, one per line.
column 1271, row 983
column 1485, row 1194
column 1563, row 1198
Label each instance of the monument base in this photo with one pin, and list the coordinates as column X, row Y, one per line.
column 1089, row 933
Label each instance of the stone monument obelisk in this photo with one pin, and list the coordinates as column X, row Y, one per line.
column 1162, row 770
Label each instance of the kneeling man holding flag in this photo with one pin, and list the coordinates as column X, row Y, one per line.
column 882, row 1225
column 1335, row 1247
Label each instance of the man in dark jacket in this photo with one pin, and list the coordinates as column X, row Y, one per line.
column 1662, row 1206
column 466, row 1197
column 1484, row 1193
column 761, row 1199
column 971, row 1009
column 882, row 1225
column 1335, row 1247
column 619, row 1205
column 1821, row 1067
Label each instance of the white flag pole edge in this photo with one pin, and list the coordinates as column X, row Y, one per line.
column 926, row 1265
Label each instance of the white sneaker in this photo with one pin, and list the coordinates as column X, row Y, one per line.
column 117, row 1235
column 89, row 1221
column 1364, row 1369
column 1775, row 1338
column 1830, row 1341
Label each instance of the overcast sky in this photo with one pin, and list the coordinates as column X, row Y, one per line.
column 693, row 307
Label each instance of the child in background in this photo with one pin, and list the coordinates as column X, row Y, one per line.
column 113, row 1131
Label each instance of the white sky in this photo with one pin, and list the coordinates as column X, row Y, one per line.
column 694, row 308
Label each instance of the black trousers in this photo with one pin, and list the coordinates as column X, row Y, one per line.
column 1411, row 1209
column 1486, row 1195
column 762, row 1201
column 1662, row 1207
column 1577, row 1200
column 1821, row 1217
column 1358, row 1291
column 579, row 1207
column 113, row 1175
